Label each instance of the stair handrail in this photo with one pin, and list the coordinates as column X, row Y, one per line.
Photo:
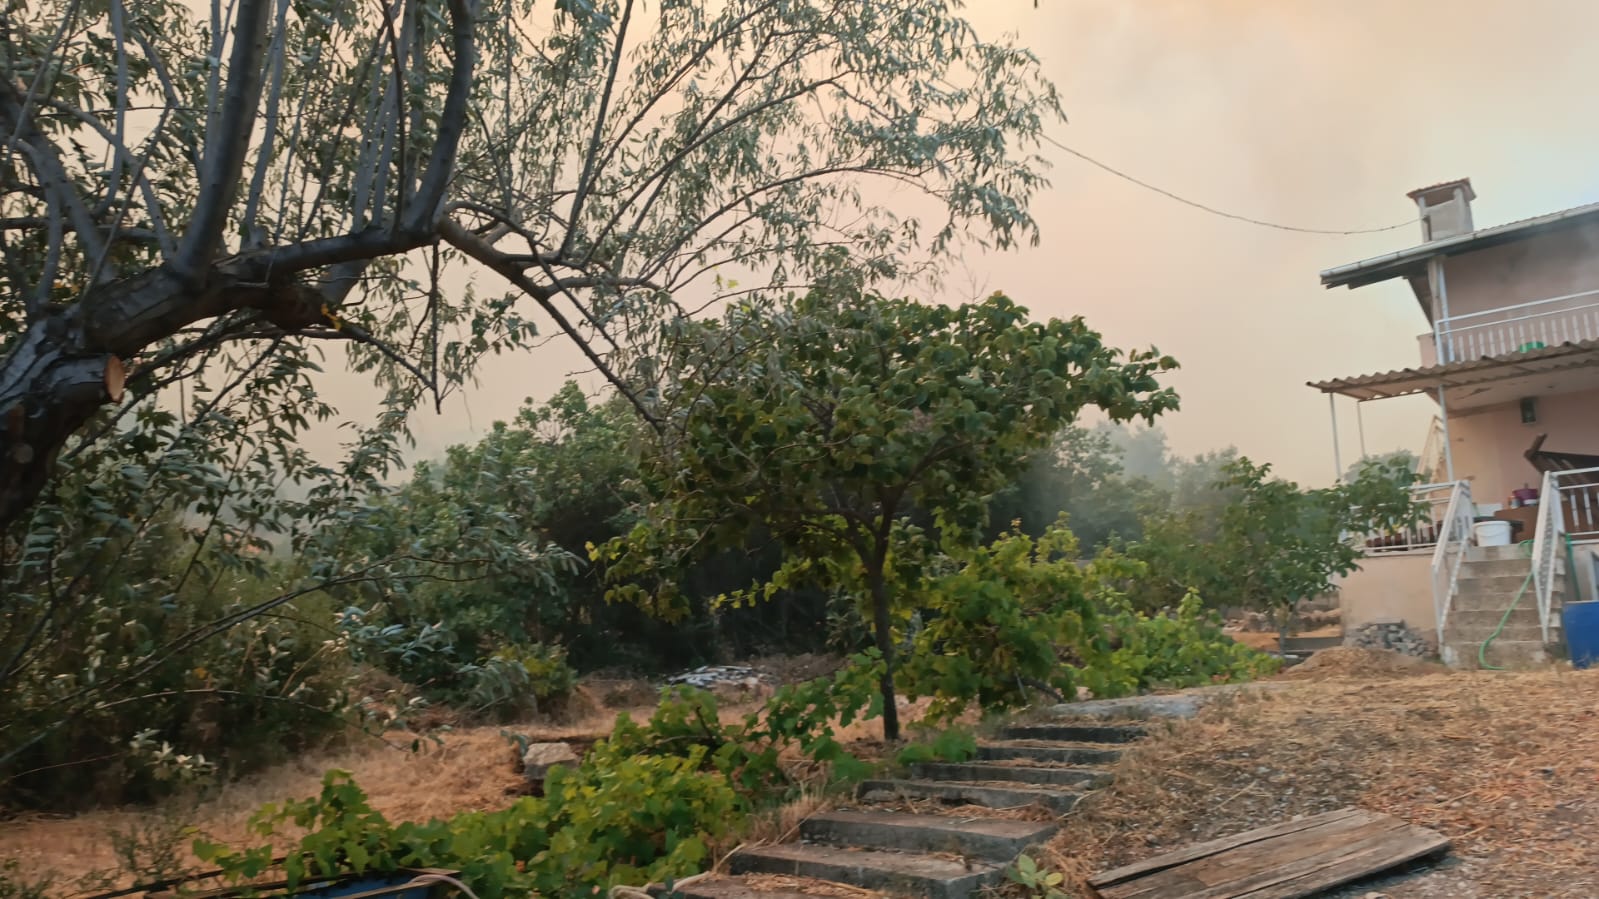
column 1546, row 548
column 1453, row 538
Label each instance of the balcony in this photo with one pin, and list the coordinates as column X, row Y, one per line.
column 1510, row 329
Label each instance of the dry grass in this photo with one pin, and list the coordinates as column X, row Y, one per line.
column 1502, row 763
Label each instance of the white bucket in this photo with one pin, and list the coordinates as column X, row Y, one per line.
column 1492, row 533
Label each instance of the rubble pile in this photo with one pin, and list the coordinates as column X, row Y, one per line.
column 710, row 677
column 1390, row 634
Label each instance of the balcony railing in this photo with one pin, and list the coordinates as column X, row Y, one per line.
column 1424, row 535
column 1568, row 509
column 1510, row 329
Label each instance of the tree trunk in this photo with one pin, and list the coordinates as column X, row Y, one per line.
column 883, row 627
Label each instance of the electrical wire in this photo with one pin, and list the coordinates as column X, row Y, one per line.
column 1211, row 209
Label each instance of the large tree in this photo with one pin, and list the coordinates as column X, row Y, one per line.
column 198, row 200
column 832, row 424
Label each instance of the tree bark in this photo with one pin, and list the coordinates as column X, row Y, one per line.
column 883, row 627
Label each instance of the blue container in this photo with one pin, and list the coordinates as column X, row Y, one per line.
column 1581, row 620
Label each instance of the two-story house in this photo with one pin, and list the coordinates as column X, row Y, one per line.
column 1511, row 358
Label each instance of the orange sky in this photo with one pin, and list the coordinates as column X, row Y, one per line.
column 1320, row 113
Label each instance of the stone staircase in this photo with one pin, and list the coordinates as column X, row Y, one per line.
column 875, row 844
column 1490, row 577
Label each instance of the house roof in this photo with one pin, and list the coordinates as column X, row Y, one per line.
column 1467, row 373
column 1413, row 262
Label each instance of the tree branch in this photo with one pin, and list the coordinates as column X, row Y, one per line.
column 473, row 246
column 452, row 122
column 226, row 147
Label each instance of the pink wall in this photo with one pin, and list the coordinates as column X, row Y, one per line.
column 1549, row 265
column 1389, row 586
column 1489, row 443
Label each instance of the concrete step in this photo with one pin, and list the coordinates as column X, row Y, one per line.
column 1517, row 633
column 1492, row 585
column 1479, row 599
column 1508, row 654
column 995, row 839
column 1044, row 751
column 1516, row 565
column 1479, row 554
column 1088, row 778
column 1524, row 614
column 1511, row 634
column 1076, row 733
column 963, row 793
column 934, row 877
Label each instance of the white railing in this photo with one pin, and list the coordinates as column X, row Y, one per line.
column 1546, row 541
column 1424, row 534
column 1509, row 329
column 1568, row 505
column 1453, row 538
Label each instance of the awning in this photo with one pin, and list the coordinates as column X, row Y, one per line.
column 1468, row 373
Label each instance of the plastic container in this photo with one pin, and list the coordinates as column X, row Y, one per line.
column 1581, row 621
column 1526, row 496
column 1492, row 533
column 1530, row 346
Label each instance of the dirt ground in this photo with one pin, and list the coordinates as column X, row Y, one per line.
column 1504, row 764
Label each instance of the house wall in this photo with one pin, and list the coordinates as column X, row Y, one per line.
column 1546, row 266
column 1389, row 586
column 1490, row 444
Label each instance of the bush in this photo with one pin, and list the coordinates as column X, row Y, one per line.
column 160, row 708
column 519, row 681
column 1170, row 650
column 645, row 805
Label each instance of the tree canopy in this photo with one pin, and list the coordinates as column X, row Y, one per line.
column 1274, row 543
column 859, row 433
column 204, row 198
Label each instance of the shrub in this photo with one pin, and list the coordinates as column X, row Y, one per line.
column 161, row 709
column 643, row 806
column 1185, row 647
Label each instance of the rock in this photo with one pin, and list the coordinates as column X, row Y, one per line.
column 541, row 757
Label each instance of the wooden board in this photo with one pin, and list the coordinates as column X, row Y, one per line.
column 1283, row 861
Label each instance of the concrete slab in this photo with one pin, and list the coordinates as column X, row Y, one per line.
column 956, row 793
column 995, row 839
column 1087, row 778
column 1038, row 750
column 1076, row 733
column 934, row 877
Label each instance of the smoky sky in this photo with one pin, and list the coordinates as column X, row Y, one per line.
column 1313, row 113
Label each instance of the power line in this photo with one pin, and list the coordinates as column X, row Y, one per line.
column 1211, row 209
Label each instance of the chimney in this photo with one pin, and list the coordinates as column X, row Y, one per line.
column 1445, row 209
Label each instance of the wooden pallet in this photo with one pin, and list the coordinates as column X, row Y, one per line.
column 1284, row 861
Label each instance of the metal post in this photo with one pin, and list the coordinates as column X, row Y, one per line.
column 1360, row 425
column 1443, row 340
column 1449, row 453
column 1338, row 461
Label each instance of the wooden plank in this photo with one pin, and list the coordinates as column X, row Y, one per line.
column 1242, row 864
column 1212, row 847
column 1284, row 861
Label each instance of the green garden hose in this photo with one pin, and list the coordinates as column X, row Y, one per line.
column 1571, row 567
